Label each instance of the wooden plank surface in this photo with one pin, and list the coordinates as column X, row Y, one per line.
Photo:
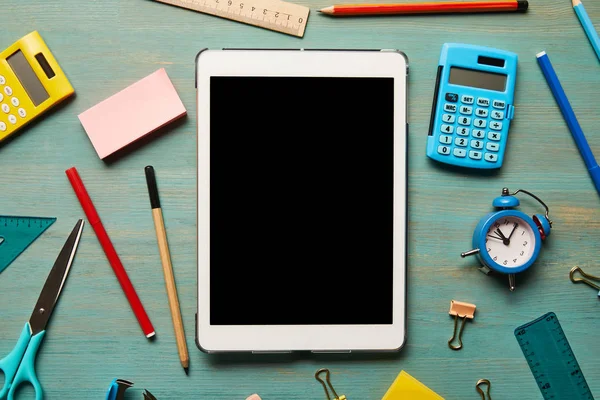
column 105, row 45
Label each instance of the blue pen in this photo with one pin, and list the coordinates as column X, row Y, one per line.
column 570, row 118
column 587, row 25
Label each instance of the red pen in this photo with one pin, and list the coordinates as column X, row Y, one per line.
column 109, row 250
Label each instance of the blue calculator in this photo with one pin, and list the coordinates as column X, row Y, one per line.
column 472, row 106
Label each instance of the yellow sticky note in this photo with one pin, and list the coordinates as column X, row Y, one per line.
column 406, row 387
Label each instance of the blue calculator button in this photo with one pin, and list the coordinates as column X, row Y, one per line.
column 475, row 155
column 448, row 118
column 462, row 131
column 495, row 136
column 451, row 97
column 480, row 123
column 491, row 157
column 464, row 121
column 499, row 104
column 466, row 110
column 447, row 129
column 483, row 102
column 477, row 144
column 460, row 152
column 450, row 107
column 497, row 126
column 462, row 142
column 492, row 146
column 467, row 99
column 481, row 112
column 445, row 139
column 497, row 114
column 478, row 133
column 445, row 150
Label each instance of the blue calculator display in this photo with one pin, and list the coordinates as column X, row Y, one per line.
column 472, row 106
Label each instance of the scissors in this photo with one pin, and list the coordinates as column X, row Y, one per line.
column 19, row 366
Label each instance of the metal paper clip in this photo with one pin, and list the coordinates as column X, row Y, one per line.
column 489, row 387
column 464, row 311
column 588, row 278
column 317, row 377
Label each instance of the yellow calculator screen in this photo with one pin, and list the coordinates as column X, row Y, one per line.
column 31, row 82
column 32, row 85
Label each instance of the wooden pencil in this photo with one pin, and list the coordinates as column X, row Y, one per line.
column 165, row 258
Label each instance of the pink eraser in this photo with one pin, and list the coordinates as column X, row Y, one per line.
column 253, row 397
column 134, row 112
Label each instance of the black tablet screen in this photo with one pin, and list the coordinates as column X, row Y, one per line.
column 301, row 200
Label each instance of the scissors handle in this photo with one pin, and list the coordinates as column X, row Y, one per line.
column 26, row 372
column 10, row 364
column 19, row 366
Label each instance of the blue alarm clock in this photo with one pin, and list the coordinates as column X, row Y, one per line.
column 472, row 106
column 508, row 241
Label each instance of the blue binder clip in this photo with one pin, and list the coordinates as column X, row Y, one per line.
column 587, row 278
column 117, row 389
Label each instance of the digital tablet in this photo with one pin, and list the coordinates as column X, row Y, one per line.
column 302, row 186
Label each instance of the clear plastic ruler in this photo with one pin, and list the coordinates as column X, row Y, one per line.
column 17, row 233
column 551, row 359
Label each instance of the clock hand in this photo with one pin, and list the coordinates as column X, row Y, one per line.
column 504, row 238
column 513, row 231
column 496, row 237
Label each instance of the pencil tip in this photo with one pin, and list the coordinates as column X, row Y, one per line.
column 576, row 2
column 186, row 370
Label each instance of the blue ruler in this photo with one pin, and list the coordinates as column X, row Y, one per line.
column 17, row 233
column 551, row 359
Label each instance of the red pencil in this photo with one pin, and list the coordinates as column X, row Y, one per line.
column 109, row 250
column 427, row 8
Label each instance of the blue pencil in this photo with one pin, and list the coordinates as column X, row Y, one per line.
column 588, row 27
column 570, row 118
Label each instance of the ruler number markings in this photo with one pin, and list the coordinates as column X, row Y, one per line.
column 545, row 335
column 271, row 14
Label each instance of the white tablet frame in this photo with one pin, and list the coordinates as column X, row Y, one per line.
column 317, row 338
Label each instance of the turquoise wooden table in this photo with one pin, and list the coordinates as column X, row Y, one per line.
column 93, row 337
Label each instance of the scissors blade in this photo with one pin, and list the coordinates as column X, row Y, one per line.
column 55, row 281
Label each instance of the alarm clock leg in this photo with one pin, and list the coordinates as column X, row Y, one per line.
column 511, row 282
column 469, row 253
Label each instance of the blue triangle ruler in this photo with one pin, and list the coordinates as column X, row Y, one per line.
column 17, row 233
column 551, row 359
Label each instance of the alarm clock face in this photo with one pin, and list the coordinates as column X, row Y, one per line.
column 510, row 242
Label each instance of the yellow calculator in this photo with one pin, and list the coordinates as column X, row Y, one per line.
column 31, row 82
